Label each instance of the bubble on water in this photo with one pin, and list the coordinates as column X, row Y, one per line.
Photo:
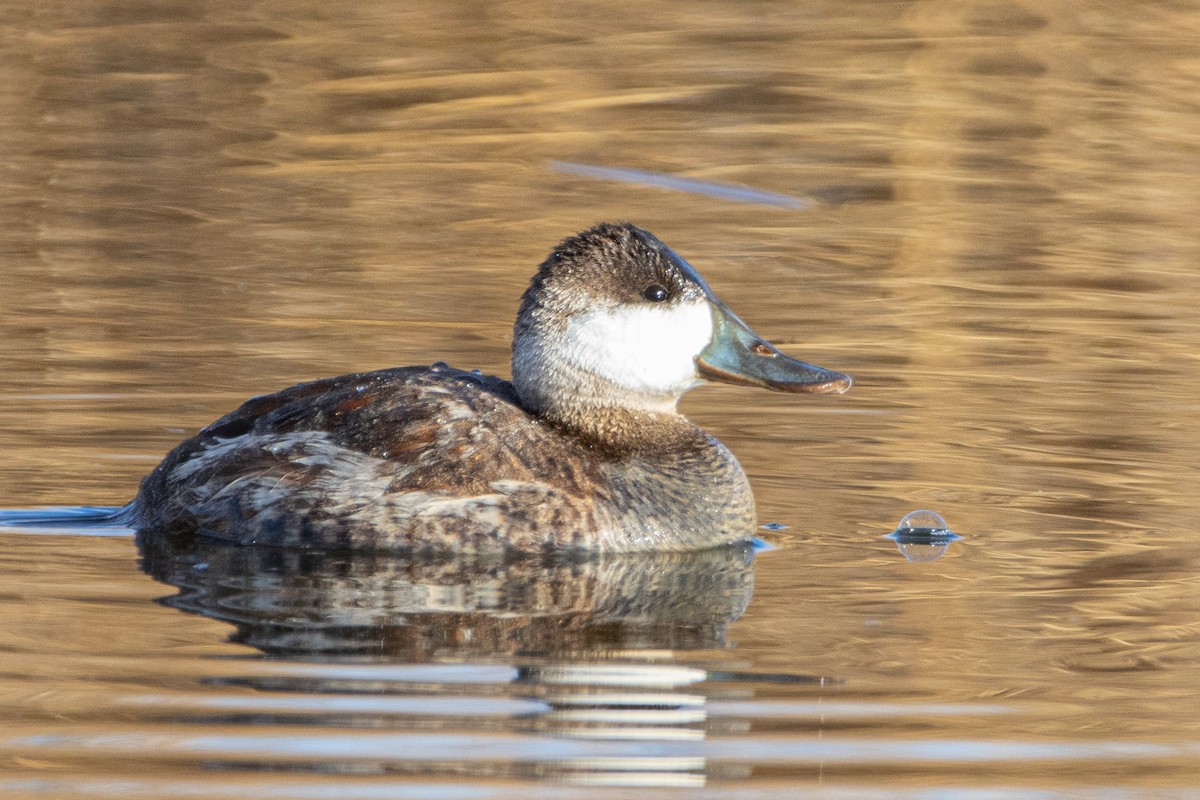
column 926, row 522
column 922, row 536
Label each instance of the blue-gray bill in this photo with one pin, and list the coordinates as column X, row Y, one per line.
column 738, row 355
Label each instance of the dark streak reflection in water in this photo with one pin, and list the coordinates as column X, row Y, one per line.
column 204, row 202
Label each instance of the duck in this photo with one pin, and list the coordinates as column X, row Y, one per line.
column 584, row 449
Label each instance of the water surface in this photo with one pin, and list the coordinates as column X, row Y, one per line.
column 993, row 231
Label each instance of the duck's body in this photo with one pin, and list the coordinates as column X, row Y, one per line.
column 436, row 458
column 583, row 450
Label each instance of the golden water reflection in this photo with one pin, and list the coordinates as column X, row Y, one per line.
column 204, row 202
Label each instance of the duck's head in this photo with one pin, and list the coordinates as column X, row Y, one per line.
column 615, row 319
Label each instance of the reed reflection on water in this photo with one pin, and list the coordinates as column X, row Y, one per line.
column 994, row 232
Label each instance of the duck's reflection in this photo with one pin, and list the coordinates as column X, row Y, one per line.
column 305, row 604
column 542, row 649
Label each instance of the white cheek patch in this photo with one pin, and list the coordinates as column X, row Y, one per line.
column 643, row 347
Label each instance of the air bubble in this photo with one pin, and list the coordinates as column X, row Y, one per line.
column 923, row 522
column 922, row 536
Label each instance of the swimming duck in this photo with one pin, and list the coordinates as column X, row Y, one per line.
column 583, row 449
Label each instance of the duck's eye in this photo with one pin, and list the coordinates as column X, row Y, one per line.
column 656, row 293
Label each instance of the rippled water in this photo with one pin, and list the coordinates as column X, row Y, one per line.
column 984, row 212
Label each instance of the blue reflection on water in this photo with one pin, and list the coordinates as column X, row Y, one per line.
column 661, row 180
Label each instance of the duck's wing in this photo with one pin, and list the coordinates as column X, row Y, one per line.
column 420, row 456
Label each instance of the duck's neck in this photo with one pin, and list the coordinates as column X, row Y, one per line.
column 575, row 378
column 620, row 431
